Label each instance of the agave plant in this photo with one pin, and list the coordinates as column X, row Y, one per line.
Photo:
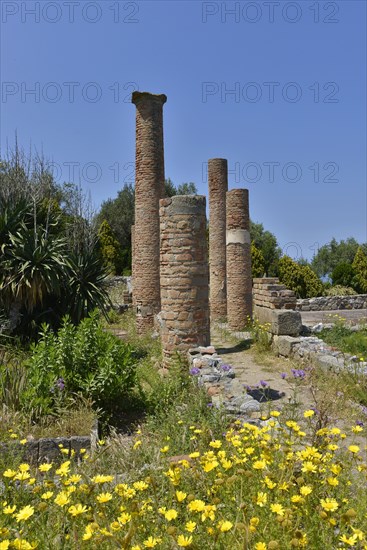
column 11, row 217
column 33, row 267
column 84, row 290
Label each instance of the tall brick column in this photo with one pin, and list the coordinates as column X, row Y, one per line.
column 132, row 263
column 218, row 187
column 239, row 276
column 184, row 275
column 149, row 189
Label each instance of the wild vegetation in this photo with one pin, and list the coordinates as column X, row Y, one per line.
column 173, row 471
column 190, row 476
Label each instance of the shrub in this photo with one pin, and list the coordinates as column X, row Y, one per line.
column 290, row 274
column 257, row 261
column 339, row 290
column 314, row 286
column 299, row 278
column 78, row 359
column 360, row 268
column 343, row 275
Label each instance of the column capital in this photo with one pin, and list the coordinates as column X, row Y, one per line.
column 138, row 97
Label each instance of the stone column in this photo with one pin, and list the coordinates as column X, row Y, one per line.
column 149, row 189
column 184, row 275
column 218, row 187
column 132, row 264
column 239, row 276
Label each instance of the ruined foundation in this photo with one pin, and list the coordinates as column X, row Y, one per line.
column 184, row 275
column 238, row 252
column 218, row 187
column 274, row 307
column 149, row 189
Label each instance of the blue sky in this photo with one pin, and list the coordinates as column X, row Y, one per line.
column 278, row 88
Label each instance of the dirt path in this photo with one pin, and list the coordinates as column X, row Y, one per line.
column 251, row 368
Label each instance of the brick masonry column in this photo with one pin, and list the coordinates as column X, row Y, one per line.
column 132, row 264
column 239, row 276
column 149, row 189
column 184, row 275
column 218, row 187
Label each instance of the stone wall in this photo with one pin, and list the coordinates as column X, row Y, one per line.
column 39, row 450
column 274, row 307
column 268, row 292
column 329, row 303
column 314, row 351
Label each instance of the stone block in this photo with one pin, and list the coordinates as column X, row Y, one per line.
column 50, row 448
column 79, row 442
column 283, row 345
column 286, row 322
column 31, row 451
column 282, row 321
column 329, row 362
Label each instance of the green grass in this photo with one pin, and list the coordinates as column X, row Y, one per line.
column 346, row 340
column 158, row 496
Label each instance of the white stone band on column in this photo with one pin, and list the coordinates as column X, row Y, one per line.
column 238, row 236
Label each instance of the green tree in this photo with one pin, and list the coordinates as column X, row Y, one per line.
column 182, row 189
column 299, row 278
column 110, row 249
column 267, row 243
column 343, row 275
column 188, row 188
column 334, row 253
column 360, row 268
column 257, row 262
column 119, row 214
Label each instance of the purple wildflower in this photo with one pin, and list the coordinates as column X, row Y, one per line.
column 60, row 384
column 359, row 423
column 226, row 368
column 263, row 383
column 298, row 373
column 194, row 371
column 283, row 375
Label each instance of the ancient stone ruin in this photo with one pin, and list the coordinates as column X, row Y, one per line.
column 184, row 275
column 133, row 256
column 172, row 276
column 274, row 305
column 218, row 187
column 238, row 252
column 149, row 189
